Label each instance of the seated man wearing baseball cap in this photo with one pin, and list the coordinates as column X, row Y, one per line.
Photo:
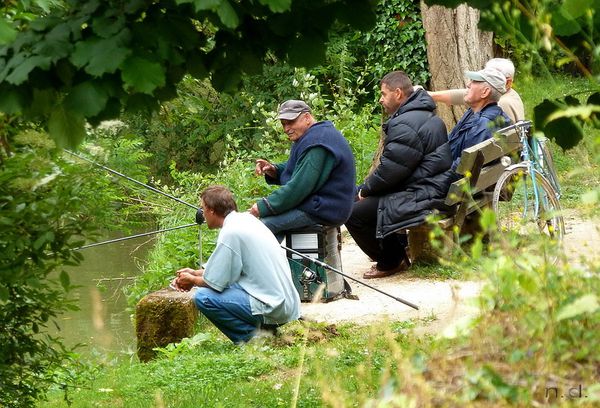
column 483, row 116
column 510, row 102
column 317, row 181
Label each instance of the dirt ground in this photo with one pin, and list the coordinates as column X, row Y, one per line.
column 445, row 300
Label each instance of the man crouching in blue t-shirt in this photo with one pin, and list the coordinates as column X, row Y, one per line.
column 247, row 284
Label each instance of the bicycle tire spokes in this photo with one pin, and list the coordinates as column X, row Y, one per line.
column 530, row 207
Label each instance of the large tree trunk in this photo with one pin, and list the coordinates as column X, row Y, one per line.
column 454, row 44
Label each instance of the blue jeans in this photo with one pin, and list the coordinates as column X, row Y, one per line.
column 230, row 311
column 289, row 220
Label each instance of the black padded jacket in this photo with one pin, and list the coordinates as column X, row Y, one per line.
column 412, row 178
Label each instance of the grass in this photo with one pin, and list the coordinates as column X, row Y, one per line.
column 537, row 333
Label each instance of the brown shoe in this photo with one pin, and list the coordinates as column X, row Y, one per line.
column 374, row 273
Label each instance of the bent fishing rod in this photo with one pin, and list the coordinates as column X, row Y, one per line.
column 324, row 265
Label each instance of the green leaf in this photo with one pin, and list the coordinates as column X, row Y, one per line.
column 65, row 280
column 477, row 249
column 227, row 78
column 277, row 6
column 40, row 241
column 582, row 111
column 227, row 14
column 542, row 111
column 577, row 8
column 566, row 132
column 487, row 219
column 56, row 44
column 100, row 56
column 200, row 5
column 21, row 72
column 195, row 66
column 87, row 99
column 585, row 304
column 108, row 26
column 3, row 294
column 564, row 24
column 142, row 75
column 307, row 50
column 359, row 14
column 43, row 102
column 12, row 100
column 67, row 128
column 7, row 32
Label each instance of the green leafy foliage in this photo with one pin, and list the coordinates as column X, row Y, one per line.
column 141, row 50
column 43, row 202
column 563, row 35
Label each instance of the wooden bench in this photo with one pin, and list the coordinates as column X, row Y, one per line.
column 480, row 167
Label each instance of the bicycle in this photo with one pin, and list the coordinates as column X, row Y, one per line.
column 526, row 196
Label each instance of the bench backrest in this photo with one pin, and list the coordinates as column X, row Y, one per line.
column 481, row 163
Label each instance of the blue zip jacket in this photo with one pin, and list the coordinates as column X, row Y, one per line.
column 475, row 127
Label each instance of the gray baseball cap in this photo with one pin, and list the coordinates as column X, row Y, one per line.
column 290, row 110
column 490, row 75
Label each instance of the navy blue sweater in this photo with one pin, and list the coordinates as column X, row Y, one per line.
column 332, row 203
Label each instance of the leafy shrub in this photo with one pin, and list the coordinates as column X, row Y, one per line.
column 47, row 208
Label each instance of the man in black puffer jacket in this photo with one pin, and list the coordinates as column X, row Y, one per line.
column 410, row 181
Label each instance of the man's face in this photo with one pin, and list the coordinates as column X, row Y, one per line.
column 294, row 129
column 476, row 91
column 209, row 216
column 391, row 99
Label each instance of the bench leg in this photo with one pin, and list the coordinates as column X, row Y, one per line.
column 420, row 248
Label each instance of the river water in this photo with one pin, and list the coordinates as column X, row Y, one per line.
column 103, row 324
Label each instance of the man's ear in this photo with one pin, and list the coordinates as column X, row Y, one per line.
column 399, row 94
column 485, row 92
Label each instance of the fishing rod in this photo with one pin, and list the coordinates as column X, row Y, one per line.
column 199, row 212
column 133, row 236
column 131, row 179
column 200, row 220
column 324, row 265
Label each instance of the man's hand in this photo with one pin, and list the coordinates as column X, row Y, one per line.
column 186, row 279
column 264, row 167
column 254, row 210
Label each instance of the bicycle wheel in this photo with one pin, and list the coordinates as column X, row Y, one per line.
column 525, row 202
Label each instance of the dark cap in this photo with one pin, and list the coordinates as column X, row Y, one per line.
column 290, row 110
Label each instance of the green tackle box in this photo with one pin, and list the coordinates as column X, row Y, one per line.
column 323, row 243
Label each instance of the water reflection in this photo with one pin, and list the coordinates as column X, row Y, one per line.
column 103, row 323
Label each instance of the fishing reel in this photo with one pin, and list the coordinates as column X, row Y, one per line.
column 309, row 276
column 199, row 216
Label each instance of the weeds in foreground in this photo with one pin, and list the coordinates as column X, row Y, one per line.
column 534, row 342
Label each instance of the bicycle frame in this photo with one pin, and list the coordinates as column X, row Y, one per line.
column 533, row 166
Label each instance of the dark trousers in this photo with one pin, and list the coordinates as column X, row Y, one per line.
column 387, row 252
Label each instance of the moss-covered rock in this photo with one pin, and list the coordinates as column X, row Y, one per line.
column 163, row 317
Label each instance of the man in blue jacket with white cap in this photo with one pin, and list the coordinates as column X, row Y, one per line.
column 484, row 116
